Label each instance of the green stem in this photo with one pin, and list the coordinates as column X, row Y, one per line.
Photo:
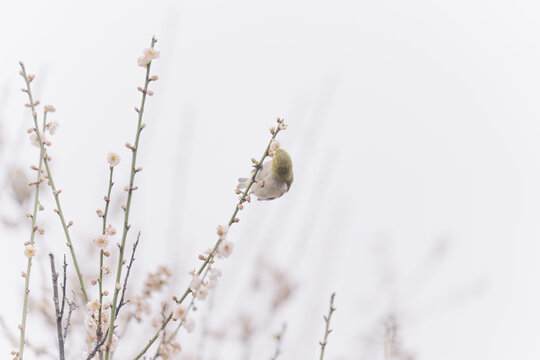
column 32, row 237
column 53, row 187
column 216, row 246
column 99, row 331
column 327, row 329
column 191, row 304
column 128, row 206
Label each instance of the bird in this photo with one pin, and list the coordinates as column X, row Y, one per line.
column 273, row 179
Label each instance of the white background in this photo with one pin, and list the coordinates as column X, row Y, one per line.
column 413, row 126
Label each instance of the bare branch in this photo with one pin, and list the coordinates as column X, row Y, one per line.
column 164, row 336
column 122, row 302
column 72, row 306
column 57, row 308
column 64, row 287
column 98, row 345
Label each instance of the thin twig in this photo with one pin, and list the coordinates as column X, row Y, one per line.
column 124, row 288
column 63, row 285
column 279, row 339
column 98, row 346
column 72, row 306
column 175, row 332
column 164, row 337
column 327, row 329
column 57, row 309
column 211, row 257
column 99, row 330
column 38, row 350
column 33, row 232
column 55, row 192
column 130, row 189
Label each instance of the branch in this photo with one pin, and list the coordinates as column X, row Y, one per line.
column 55, row 192
column 57, row 308
column 99, row 330
column 210, row 259
column 175, row 332
column 38, row 350
column 122, row 303
column 63, row 285
column 327, row 330
column 98, row 345
column 164, row 337
column 72, row 307
column 130, row 188
column 34, row 228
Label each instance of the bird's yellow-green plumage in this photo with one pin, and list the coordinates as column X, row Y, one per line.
column 282, row 167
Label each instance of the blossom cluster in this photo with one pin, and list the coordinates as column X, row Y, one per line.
column 50, row 127
column 274, row 145
column 225, row 247
column 149, row 54
column 91, row 322
column 153, row 283
column 102, row 241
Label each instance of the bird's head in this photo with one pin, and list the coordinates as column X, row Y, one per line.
column 282, row 166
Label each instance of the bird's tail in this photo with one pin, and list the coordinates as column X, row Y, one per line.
column 242, row 183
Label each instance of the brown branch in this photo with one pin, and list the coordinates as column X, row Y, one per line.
column 98, row 345
column 57, row 308
column 122, row 302
column 72, row 306
column 63, row 285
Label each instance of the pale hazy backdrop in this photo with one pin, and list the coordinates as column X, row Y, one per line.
column 414, row 127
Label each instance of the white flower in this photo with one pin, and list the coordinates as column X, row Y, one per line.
column 30, row 251
column 180, row 312
column 52, row 127
column 211, row 284
column 101, row 241
column 189, row 324
column 104, row 319
column 107, row 305
column 202, row 293
column 111, row 230
column 225, row 248
column 214, row 273
column 34, row 140
column 113, row 159
column 195, row 283
column 274, row 145
column 142, row 61
column 222, row 230
column 92, row 306
column 90, row 324
column 114, row 343
column 49, row 108
column 151, row 53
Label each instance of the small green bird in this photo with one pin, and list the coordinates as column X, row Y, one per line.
column 274, row 178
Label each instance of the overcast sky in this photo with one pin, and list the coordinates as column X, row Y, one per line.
column 413, row 127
